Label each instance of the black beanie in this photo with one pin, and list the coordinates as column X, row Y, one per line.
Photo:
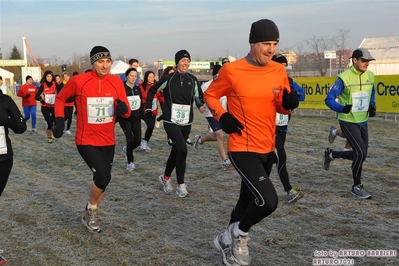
column 280, row 59
column 180, row 54
column 216, row 69
column 99, row 52
column 264, row 30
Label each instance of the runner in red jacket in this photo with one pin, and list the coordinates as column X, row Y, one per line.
column 99, row 97
column 28, row 92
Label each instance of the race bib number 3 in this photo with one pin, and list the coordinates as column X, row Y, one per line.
column 100, row 110
column 180, row 113
column 360, row 101
column 3, row 142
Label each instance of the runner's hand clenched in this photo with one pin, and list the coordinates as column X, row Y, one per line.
column 230, row 124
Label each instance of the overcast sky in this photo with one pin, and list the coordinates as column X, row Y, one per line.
column 152, row 30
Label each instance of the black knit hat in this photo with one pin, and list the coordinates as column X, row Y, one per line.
column 216, row 69
column 264, row 30
column 279, row 58
column 99, row 52
column 180, row 54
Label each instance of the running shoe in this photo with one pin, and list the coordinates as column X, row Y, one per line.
column 182, row 191
column 239, row 246
column 130, row 167
column 167, row 186
column 157, row 124
column 360, row 192
column 226, row 164
column 197, row 141
column 189, row 142
column 294, row 195
column 2, row 259
column 327, row 159
column 331, row 135
column 68, row 132
column 144, row 146
column 90, row 220
column 50, row 140
column 226, row 251
column 34, row 130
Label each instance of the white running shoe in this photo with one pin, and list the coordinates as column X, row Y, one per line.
column 182, row 191
column 130, row 167
column 225, row 248
column 144, row 146
column 157, row 124
column 68, row 133
column 239, row 246
column 90, row 220
column 167, row 186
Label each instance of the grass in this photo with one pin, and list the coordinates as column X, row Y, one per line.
column 49, row 185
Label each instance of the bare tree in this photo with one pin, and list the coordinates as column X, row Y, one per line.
column 340, row 42
column 300, row 62
column 317, row 45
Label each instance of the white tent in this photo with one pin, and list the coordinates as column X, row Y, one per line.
column 385, row 50
column 8, row 77
column 119, row 67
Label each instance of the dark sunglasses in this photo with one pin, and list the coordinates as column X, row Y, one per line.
column 224, row 62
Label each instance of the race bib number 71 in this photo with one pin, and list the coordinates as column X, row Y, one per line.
column 100, row 110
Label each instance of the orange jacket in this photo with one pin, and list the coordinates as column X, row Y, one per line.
column 254, row 94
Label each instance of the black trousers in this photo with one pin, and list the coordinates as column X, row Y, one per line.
column 258, row 198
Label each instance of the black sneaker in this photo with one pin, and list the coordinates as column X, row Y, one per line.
column 326, row 158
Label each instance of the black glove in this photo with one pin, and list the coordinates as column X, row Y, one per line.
column 42, row 101
column 372, row 111
column 148, row 113
column 121, row 107
column 347, row 109
column 230, row 124
column 27, row 95
column 58, row 130
column 290, row 100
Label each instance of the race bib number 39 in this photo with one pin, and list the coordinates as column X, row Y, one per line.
column 180, row 113
column 100, row 110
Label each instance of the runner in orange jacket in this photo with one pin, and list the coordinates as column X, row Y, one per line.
column 256, row 88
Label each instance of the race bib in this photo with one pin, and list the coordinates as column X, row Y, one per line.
column 3, row 142
column 281, row 120
column 154, row 104
column 49, row 98
column 180, row 113
column 100, row 110
column 360, row 101
column 134, row 102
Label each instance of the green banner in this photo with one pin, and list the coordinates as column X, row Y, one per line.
column 12, row 62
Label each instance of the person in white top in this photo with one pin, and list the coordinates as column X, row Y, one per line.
column 217, row 134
